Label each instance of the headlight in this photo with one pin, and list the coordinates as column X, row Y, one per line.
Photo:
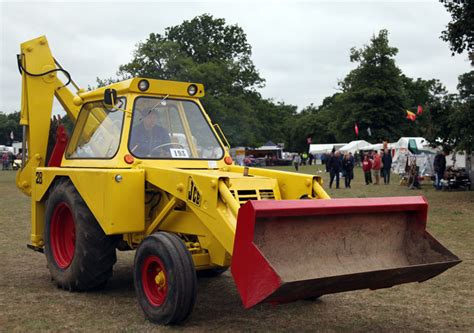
column 192, row 90
column 143, row 85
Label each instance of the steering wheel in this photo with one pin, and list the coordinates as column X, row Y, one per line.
column 156, row 148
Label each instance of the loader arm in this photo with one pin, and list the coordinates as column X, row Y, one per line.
column 40, row 84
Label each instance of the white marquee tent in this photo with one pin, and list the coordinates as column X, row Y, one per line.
column 403, row 142
column 354, row 146
column 324, row 148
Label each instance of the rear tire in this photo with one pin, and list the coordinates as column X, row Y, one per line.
column 165, row 278
column 79, row 255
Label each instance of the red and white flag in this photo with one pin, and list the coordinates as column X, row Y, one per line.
column 356, row 129
column 419, row 110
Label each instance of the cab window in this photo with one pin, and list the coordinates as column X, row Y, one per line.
column 97, row 132
column 171, row 129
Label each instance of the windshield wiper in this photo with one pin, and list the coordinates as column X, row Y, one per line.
column 162, row 102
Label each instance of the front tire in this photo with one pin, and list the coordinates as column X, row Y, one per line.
column 80, row 256
column 165, row 278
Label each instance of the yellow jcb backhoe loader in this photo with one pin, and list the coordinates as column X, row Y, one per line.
column 144, row 169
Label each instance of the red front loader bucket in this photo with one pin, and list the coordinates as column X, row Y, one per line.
column 294, row 249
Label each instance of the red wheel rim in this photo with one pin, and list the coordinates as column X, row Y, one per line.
column 62, row 235
column 154, row 280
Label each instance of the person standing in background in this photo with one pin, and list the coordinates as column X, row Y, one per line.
column 11, row 160
column 367, row 167
column 5, row 161
column 439, row 168
column 376, row 166
column 387, row 166
column 352, row 158
column 335, row 167
column 348, row 167
column 296, row 161
column 304, row 157
column 327, row 159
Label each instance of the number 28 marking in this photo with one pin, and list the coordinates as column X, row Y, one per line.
column 39, row 178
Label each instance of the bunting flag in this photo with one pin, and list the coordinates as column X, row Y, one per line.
column 369, row 131
column 12, row 136
column 356, row 129
column 411, row 116
column 419, row 110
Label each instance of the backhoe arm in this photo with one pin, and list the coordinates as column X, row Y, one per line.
column 39, row 85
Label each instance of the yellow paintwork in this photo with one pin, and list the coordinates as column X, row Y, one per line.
column 117, row 206
column 37, row 94
column 196, row 199
column 292, row 185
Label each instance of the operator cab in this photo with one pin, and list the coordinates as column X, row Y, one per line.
column 147, row 120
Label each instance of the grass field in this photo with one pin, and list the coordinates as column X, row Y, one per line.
column 29, row 301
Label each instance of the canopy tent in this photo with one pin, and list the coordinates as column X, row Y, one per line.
column 379, row 146
column 324, row 148
column 354, row 146
column 269, row 146
column 375, row 146
column 416, row 149
column 267, row 150
column 403, row 142
column 424, row 160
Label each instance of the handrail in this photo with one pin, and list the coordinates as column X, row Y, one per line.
column 228, row 198
column 221, row 134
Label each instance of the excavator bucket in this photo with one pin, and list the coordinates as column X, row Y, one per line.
column 295, row 249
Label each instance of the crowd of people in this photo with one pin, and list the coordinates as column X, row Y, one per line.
column 374, row 165
column 8, row 160
column 378, row 165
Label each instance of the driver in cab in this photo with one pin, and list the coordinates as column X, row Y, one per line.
column 148, row 138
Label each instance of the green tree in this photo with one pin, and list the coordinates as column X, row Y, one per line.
column 203, row 49
column 463, row 117
column 10, row 123
column 372, row 94
column 428, row 94
column 207, row 50
column 314, row 122
column 376, row 94
column 459, row 32
column 438, row 129
column 275, row 122
column 445, row 121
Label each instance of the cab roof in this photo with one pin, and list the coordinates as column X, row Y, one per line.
column 156, row 87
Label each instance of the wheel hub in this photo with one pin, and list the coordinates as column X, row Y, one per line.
column 154, row 280
column 63, row 235
column 160, row 280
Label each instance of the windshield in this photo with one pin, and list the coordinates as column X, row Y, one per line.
column 171, row 129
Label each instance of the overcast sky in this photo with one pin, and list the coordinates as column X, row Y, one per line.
column 301, row 48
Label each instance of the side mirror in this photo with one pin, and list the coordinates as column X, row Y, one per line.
column 110, row 98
